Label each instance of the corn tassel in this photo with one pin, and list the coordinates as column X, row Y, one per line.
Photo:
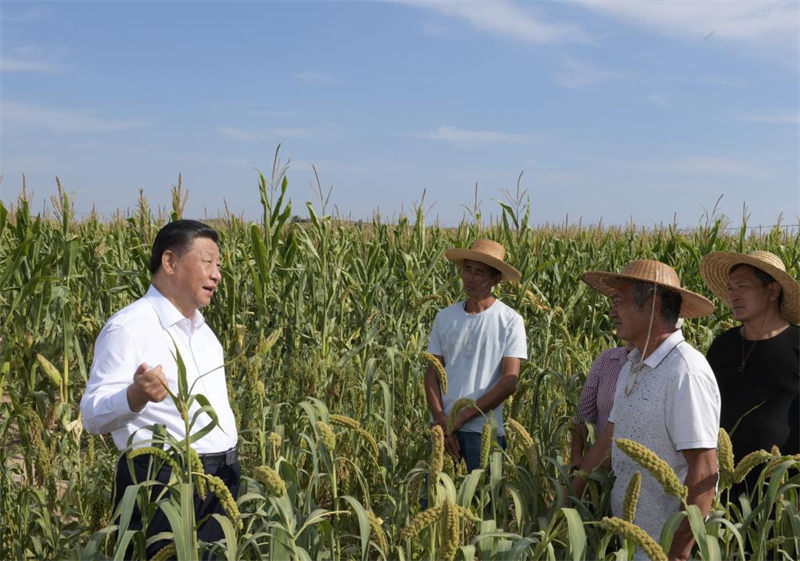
column 437, row 451
column 420, row 521
column 747, row 463
column 271, row 480
column 725, row 459
column 630, row 531
column 441, row 373
column 657, row 467
column 632, row 497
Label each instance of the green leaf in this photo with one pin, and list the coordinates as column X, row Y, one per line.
column 698, row 527
column 363, row 524
column 576, row 533
column 183, row 384
column 3, row 217
column 122, row 544
column 125, row 512
column 206, row 429
column 230, row 541
column 466, row 492
column 181, row 520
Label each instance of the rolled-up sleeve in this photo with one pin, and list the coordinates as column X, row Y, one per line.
column 104, row 405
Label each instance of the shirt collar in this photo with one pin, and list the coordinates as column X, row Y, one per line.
column 655, row 358
column 622, row 356
column 168, row 314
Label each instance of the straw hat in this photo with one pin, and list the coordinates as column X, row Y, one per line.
column 486, row 252
column 716, row 268
column 692, row 304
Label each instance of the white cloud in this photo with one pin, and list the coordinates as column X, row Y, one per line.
column 725, row 82
column 504, row 18
column 31, row 57
column 314, row 78
column 577, row 74
column 241, row 134
column 31, row 115
column 29, row 14
column 235, row 162
column 462, row 136
column 716, row 165
column 659, row 100
column 270, row 113
column 437, row 30
column 693, row 164
column 559, row 177
column 279, row 133
column 8, row 64
column 769, row 118
column 294, row 132
column 755, row 20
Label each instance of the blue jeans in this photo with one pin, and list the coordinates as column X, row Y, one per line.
column 469, row 444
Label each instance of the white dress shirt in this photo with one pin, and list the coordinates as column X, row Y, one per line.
column 144, row 332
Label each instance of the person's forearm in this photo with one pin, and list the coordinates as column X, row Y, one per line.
column 493, row 398
column 577, row 437
column 684, row 538
column 433, row 394
column 701, row 482
column 597, row 455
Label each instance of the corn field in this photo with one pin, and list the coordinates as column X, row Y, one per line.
column 324, row 324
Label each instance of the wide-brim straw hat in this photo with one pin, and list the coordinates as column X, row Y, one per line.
column 487, row 252
column 693, row 305
column 716, row 270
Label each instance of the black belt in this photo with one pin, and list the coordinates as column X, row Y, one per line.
column 226, row 458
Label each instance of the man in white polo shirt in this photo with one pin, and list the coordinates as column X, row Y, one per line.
column 134, row 359
column 666, row 399
column 481, row 343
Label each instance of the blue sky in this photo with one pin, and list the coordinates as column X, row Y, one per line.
column 612, row 110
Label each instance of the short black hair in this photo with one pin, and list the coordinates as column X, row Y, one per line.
column 178, row 236
column 670, row 299
column 765, row 278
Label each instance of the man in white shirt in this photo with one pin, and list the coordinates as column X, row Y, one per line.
column 134, row 358
column 666, row 398
column 481, row 343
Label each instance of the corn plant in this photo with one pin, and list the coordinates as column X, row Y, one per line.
column 323, row 319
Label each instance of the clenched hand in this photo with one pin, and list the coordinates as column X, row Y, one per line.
column 147, row 385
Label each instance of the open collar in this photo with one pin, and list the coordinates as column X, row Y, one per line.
column 169, row 315
column 655, row 358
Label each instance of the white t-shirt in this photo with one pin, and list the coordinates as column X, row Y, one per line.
column 672, row 405
column 473, row 346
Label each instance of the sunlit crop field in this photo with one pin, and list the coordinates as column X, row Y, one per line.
column 323, row 324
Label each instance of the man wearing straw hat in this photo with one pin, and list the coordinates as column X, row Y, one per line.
column 757, row 364
column 481, row 342
column 666, row 397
